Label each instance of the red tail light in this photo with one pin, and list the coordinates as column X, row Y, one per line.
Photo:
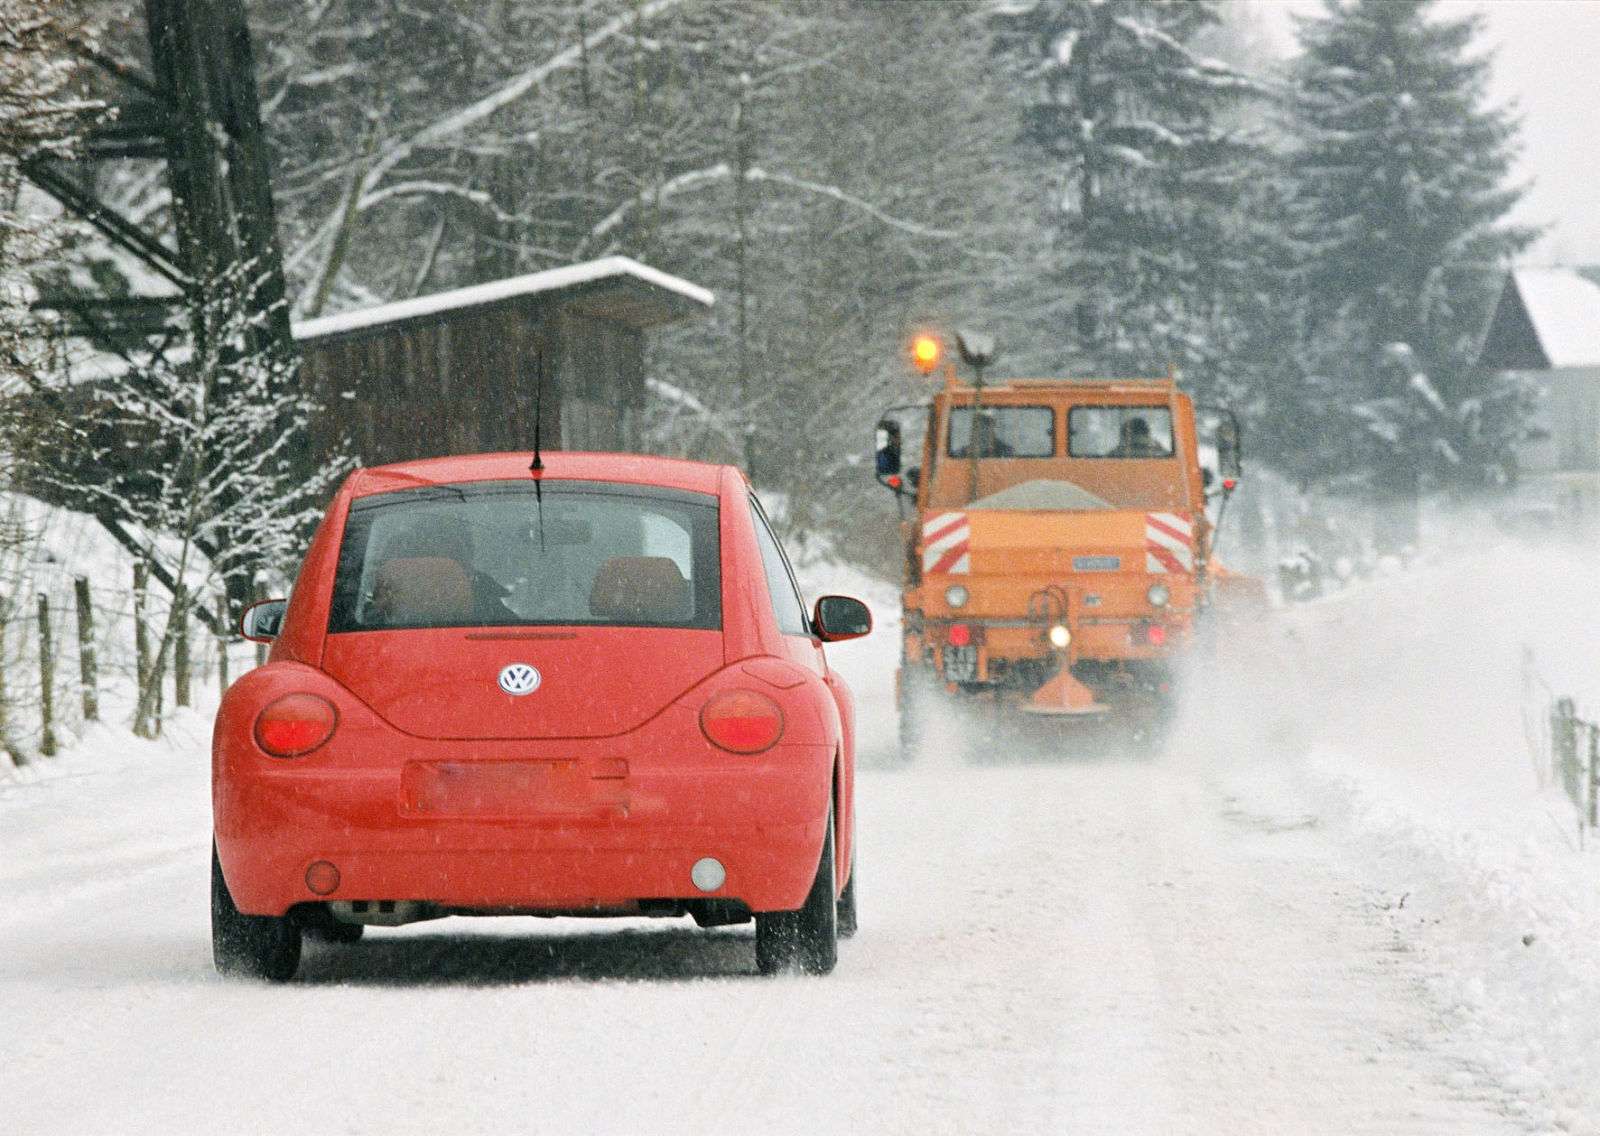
column 960, row 635
column 1156, row 633
column 295, row 724
column 742, row 721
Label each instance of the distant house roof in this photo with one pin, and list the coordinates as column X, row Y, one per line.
column 1546, row 318
column 615, row 287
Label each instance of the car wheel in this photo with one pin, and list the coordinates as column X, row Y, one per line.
column 847, row 902
column 804, row 941
column 249, row 946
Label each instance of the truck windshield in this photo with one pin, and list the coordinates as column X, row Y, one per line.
column 1119, row 432
column 1004, row 432
column 499, row 554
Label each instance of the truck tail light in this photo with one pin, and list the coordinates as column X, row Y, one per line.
column 742, row 721
column 959, row 635
column 295, row 724
column 1157, row 635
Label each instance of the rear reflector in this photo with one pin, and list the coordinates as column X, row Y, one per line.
column 742, row 721
column 322, row 878
column 295, row 724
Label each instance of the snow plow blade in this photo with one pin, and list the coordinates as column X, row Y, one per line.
column 1064, row 695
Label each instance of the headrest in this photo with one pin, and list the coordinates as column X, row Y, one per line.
column 421, row 589
column 639, row 589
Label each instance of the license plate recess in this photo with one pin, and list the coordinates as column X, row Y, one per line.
column 508, row 789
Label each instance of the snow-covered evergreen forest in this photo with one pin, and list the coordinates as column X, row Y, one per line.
column 1111, row 188
column 1313, row 239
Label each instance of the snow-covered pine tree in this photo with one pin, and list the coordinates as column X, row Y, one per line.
column 1153, row 176
column 1401, row 181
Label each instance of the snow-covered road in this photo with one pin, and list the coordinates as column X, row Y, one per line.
column 1355, row 913
column 1083, row 947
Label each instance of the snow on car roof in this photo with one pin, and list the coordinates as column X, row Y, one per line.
column 551, row 280
column 1565, row 310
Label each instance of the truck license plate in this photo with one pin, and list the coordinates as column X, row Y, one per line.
column 961, row 664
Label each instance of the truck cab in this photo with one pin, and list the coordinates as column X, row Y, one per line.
column 1057, row 543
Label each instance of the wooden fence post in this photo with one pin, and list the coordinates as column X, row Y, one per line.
column 19, row 757
column 224, row 635
column 180, row 646
column 47, row 681
column 88, row 661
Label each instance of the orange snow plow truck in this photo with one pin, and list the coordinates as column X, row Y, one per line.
column 1058, row 558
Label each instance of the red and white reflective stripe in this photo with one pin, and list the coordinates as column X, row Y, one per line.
column 1168, row 543
column 946, row 540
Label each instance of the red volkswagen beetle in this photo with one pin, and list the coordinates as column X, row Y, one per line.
column 587, row 689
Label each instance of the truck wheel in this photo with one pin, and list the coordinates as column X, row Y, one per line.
column 804, row 941
column 249, row 946
column 916, row 706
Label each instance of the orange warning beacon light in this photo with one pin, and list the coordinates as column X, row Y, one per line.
column 925, row 352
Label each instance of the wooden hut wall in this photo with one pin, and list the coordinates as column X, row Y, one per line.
column 427, row 388
column 602, row 383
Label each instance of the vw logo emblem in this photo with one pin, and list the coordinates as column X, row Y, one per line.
column 518, row 679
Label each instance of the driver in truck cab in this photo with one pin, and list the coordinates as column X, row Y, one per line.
column 1137, row 442
column 988, row 441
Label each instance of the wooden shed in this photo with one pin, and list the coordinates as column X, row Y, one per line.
column 454, row 372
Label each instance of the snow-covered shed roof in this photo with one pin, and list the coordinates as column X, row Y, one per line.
column 617, row 287
column 1546, row 318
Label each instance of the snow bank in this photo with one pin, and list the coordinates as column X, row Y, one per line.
column 1396, row 715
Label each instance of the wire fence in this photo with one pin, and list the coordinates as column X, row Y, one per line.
column 70, row 660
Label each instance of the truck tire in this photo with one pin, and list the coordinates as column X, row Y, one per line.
column 249, row 946
column 917, row 696
column 804, row 941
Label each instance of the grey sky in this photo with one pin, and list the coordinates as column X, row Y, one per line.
column 1547, row 60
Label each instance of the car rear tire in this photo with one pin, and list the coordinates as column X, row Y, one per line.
column 804, row 941
column 847, row 902
column 249, row 946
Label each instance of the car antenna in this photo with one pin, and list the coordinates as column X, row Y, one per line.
column 538, row 400
column 538, row 461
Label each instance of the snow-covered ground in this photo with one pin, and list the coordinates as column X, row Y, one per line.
column 1308, row 917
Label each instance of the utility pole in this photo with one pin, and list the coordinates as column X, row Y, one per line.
column 197, row 111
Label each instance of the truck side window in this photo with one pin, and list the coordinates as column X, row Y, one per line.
column 786, row 602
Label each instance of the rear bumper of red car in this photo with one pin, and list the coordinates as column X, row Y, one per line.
column 616, row 831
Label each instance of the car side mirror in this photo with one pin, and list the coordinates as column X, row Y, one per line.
column 837, row 618
column 263, row 621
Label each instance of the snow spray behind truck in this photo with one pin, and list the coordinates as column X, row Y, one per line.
column 1058, row 558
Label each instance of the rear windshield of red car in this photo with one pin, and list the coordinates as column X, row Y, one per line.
column 510, row 554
